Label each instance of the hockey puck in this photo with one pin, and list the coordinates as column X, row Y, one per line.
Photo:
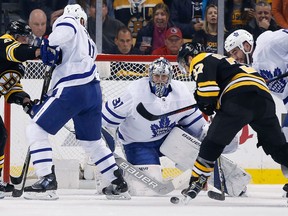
column 174, row 200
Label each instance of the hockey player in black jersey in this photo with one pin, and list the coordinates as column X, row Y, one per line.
column 14, row 50
column 239, row 96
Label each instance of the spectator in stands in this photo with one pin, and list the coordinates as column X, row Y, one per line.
column 263, row 20
column 238, row 13
column 280, row 13
column 155, row 29
column 124, row 42
column 109, row 27
column 208, row 35
column 188, row 15
column 48, row 6
column 173, row 42
column 134, row 13
column 37, row 23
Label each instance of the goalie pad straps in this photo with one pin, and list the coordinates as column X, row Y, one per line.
column 202, row 167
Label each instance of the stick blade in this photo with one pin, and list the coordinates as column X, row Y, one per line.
column 216, row 196
column 144, row 113
column 17, row 193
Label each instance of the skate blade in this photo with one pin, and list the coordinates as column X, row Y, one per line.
column 2, row 195
column 122, row 196
column 48, row 195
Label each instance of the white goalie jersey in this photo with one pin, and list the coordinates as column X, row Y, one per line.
column 121, row 112
column 270, row 59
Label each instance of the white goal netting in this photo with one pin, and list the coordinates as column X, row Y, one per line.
column 116, row 73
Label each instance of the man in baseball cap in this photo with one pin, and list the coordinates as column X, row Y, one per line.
column 173, row 41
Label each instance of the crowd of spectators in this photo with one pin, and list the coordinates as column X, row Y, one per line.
column 141, row 26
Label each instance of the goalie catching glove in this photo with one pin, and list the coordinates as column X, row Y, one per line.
column 50, row 55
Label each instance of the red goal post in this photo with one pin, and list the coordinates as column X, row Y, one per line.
column 116, row 72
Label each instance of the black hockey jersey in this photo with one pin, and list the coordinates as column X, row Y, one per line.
column 219, row 77
column 12, row 53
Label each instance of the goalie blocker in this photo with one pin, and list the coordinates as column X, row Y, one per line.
column 183, row 149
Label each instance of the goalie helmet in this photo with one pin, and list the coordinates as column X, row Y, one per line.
column 77, row 12
column 160, row 75
column 186, row 50
column 237, row 38
column 18, row 28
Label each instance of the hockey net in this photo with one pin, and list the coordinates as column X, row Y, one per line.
column 116, row 72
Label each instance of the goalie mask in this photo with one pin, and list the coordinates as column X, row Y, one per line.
column 77, row 12
column 160, row 75
column 186, row 50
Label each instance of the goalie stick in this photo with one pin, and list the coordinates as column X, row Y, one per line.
column 150, row 117
column 16, row 192
column 137, row 174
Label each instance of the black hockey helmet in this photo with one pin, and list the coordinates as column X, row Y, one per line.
column 18, row 28
column 188, row 49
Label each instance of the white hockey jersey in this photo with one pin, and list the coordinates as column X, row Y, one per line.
column 78, row 53
column 270, row 58
column 132, row 127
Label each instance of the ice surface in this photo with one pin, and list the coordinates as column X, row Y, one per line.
column 262, row 200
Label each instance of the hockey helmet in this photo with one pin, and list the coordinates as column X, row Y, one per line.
column 186, row 50
column 160, row 75
column 16, row 28
column 237, row 38
column 77, row 12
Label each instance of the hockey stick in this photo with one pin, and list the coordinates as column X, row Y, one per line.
column 137, row 174
column 277, row 77
column 46, row 82
column 16, row 192
column 149, row 116
column 213, row 194
column 18, row 180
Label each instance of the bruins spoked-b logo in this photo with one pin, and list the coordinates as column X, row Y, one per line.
column 8, row 79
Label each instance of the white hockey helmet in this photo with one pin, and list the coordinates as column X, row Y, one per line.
column 160, row 66
column 76, row 11
column 237, row 38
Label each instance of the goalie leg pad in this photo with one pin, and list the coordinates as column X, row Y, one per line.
column 183, row 149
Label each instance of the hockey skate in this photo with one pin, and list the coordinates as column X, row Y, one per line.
column 195, row 186
column 44, row 189
column 118, row 189
column 5, row 189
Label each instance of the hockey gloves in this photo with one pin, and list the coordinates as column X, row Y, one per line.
column 207, row 106
column 28, row 107
column 50, row 55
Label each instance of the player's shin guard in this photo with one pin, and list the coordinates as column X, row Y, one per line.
column 201, row 171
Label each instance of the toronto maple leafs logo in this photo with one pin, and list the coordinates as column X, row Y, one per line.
column 277, row 85
column 164, row 127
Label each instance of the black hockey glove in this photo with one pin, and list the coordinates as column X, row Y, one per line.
column 207, row 108
column 28, row 107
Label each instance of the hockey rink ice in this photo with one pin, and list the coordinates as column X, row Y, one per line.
column 262, row 200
